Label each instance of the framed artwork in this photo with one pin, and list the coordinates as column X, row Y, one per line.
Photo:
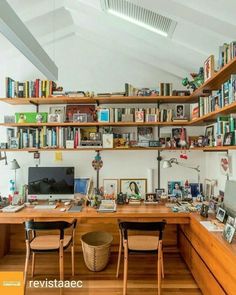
column 228, row 232
column 228, row 138
column 80, row 118
column 180, row 111
column 54, row 118
column 195, row 189
column 209, row 67
column 220, row 215
column 104, row 115
column 84, row 109
column 136, row 187
column 59, row 112
column 230, row 220
column 81, row 185
column 159, row 192
column 209, row 132
column 145, row 133
column 107, row 140
column 225, row 165
column 174, row 188
column 110, row 187
column 150, row 198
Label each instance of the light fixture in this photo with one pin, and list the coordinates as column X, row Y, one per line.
column 168, row 164
column 14, row 166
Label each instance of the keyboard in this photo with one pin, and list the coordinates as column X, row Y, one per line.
column 75, row 208
column 13, row 208
column 44, row 207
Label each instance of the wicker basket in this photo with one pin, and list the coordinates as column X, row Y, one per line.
column 96, row 249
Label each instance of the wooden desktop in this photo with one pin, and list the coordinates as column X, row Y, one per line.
column 211, row 260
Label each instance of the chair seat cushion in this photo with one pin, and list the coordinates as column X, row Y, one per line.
column 143, row 243
column 49, row 242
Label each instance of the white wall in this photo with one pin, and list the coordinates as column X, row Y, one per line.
column 82, row 66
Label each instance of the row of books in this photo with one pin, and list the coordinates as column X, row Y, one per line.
column 226, row 130
column 37, row 88
column 218, row 99
column 227, row 52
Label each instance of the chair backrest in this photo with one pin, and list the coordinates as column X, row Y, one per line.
column 125, row 226
column 48, row 225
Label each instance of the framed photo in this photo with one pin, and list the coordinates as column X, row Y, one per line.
column 150, row 198
column 209, row 67
column 174, row 188
column 159, row 192
column 95, row 135
column 195, row 189
column 209, row 132
column 220, row 215
column 145, row 133
column 180, row 111
column 230, row 220
column 229, row 138
column 58, row 110
column 228, row 232
column 81, row 185
column 54, row 118
column 80, row 118
column 14, row 143
column 136, row 187
column 104, row 115
column 111, row 187
column 139, row 116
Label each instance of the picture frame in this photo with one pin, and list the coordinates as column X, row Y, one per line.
column 151, row 118
column 228, row 139
column 14, row 143
column 209, row 67
column 228, row 232
column 150, row 198
column 225, row 165
column 176, row 134
column 82, row 109
column 231, row 220
column 80, row 118
column 81, row 185
column 104, row 115
column 209, row 131
column 54, row 118
column 180, row 111
column 174, row 188
column 58, row 110
column 95, row 135
column 107, row 140
column 134, row 187
column 111, row 188
column 220, row 215
column 139, row 116
column 159, row 192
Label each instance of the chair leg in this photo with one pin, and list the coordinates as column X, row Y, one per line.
column 125, row 267
column 33, row 265
column 162, row 262
column 119, row 257
column 73, row 260
column 26, row 264
column 61, row 260
column 159, row 271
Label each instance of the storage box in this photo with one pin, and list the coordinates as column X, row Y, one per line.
column 31, row 117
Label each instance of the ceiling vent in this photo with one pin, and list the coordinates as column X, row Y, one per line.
column 140, row 16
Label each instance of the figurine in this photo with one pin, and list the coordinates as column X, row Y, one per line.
column 198, row 80
column 39, row 118
column 22, row 118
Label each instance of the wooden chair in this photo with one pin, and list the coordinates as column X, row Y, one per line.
column 49, row 243
column 141, row 243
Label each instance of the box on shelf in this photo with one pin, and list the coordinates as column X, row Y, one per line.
column 31, row 117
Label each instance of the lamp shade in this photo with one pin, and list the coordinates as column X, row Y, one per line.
column 14, row 165
column 166, row 164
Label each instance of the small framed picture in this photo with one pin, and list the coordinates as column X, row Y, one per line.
column 107, row 140
column 180, row 111
column 58, row 110
column 209, row 67
column 14, row 143
column 229, row 138
column 230, row 220
column 111, row 187
column 220, row 215
column 134, row 188
column 151, row 198
column 80, row 118
column 54, row 118
column 139, row 116
column 81, row 185
column 95, row 135
column 159, row 192
column 209, row 132
column 175, row 189
column 228, row 232
column 104, row 115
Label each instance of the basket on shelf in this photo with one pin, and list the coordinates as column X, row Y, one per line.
column 96, row 249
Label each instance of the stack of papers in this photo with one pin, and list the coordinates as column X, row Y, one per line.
column 107, row 206
column 211, row 226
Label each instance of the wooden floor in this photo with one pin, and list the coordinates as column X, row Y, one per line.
column 141, row 275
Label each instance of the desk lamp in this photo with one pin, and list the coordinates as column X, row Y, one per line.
column 168, row 164
column 14, row 166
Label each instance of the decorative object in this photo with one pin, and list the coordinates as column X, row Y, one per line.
column 209, row 67
column 121, row 198
column 139, row 116
column 14, row 166
column 168, row 164
column 110, row 188
column 70, row 144
column 14, row 143
column 228, row 232
column 145, row 133
column 59, row 112
column 229, row 138
column 159, row 192
column 225, row 165
column 220, row 215
column 176, row 135
column 54, row 118
column 134, row 188
column 198, row 80
column 80, row 118
column 151, row 118
column 209, row 132
column 231, row 220
column 174, row 189
column 204, row 210
column 151, row 198
column 82, row 185
column 31, row 117
column 180, row 111
column 84, row 109
column 107, row 140
column 97, row 164
column 104, row 115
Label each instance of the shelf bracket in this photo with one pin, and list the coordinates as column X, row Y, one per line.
column 4, row 157
column 35, row 104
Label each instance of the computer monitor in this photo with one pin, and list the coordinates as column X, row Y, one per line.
column 51, row 182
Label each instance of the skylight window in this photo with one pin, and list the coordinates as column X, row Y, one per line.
column 140, row 16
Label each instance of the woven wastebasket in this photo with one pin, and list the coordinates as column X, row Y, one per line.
column 96, row 249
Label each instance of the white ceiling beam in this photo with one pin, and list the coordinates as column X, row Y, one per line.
column 17, row 33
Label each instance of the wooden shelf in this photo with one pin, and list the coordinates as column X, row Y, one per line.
column 99, row 100
column 216, row 81
column 91, row 124
column 205, row 149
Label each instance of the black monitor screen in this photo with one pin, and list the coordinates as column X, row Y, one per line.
column 51, row 180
